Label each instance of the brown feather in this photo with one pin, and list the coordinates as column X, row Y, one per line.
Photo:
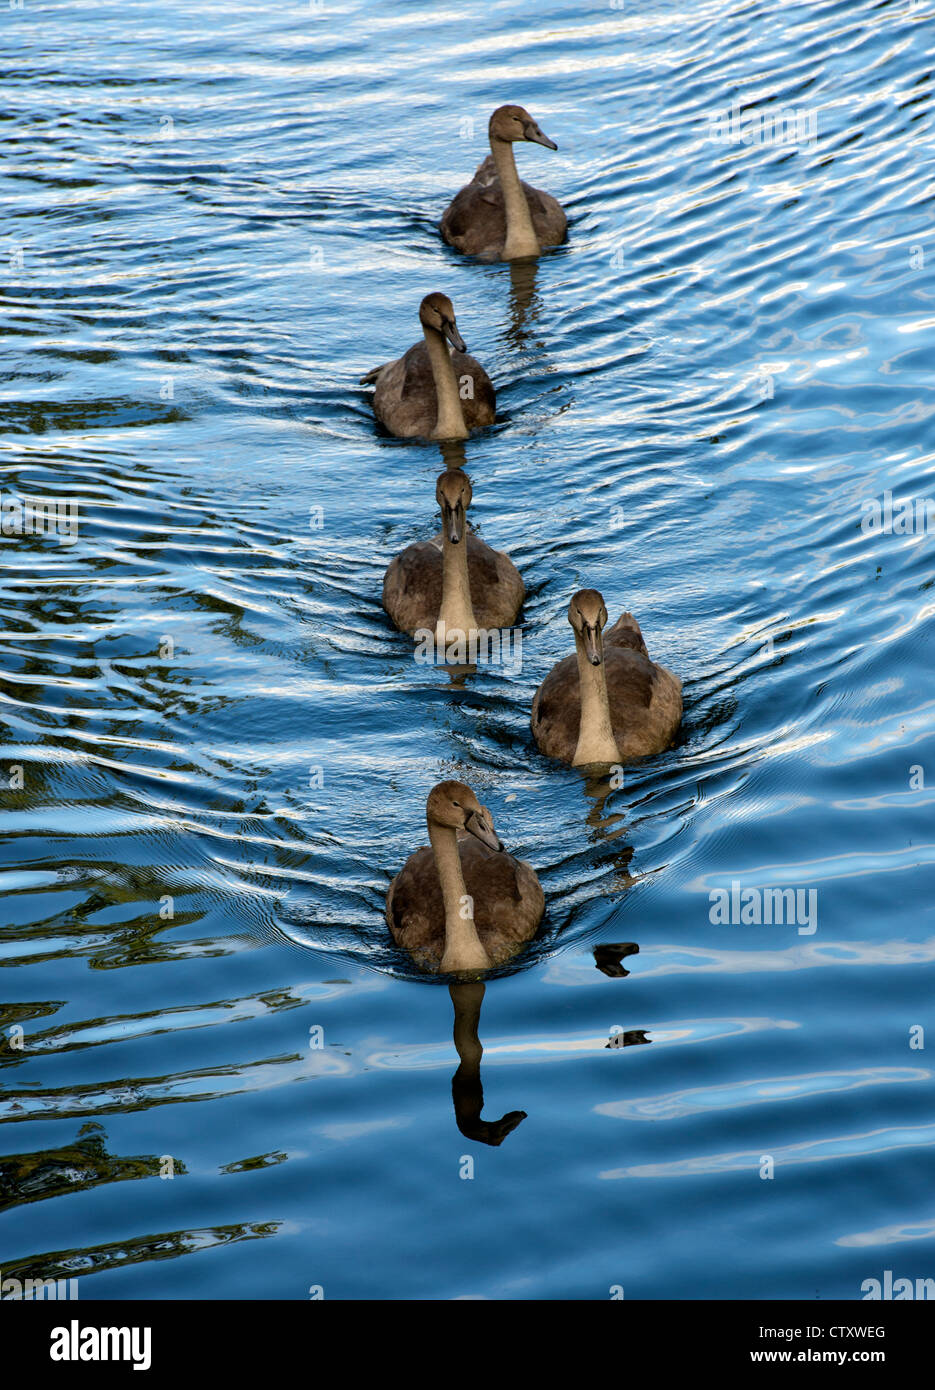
column 412, row 585
column 405, row 400
column 475, row 220
column 508, row 903
column 645, row 699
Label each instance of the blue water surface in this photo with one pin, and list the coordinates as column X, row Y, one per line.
column 218, row 216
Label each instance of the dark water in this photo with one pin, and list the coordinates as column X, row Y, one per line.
column 218, row 217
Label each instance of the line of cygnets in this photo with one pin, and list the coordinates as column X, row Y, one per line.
column 465, row 904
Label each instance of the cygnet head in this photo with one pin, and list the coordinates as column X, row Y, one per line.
column 437, row 311
column 454, row 806
column 587, row 615
column 453, row 494
column 511, row 123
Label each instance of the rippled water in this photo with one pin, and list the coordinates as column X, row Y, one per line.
column 220, row 216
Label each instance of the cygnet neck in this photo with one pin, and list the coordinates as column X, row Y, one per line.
column 521, row 239
column 449, row 422
column 596, row 742
column 463, row 949
column 456, row 611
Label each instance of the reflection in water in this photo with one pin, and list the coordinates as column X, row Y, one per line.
column 597, row 788
column 82, row 1261
column 452, row 452
column 608, row 955
column 466, row 1088
column 457, row 675
column 606, row 828
column 35, row 1177
column 525, row 304
column 607, row 958
column 629, row 1037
